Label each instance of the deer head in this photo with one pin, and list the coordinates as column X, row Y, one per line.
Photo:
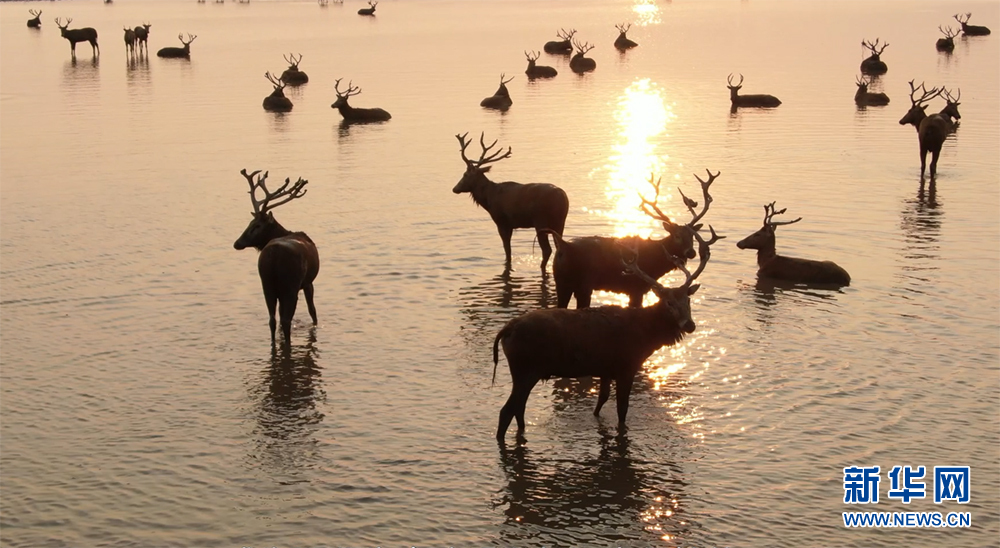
column 187, row 44
column 874, row 48
column 61, row 26
column 257, row 233
column 918, row 104
column 475, row 170
column 279, row 85
column 960, row 21
column 949, row 33
column 581, row 48
column 532, row 57
column 951, row 109
column 683, row 234
column 623, row 28
column 342, row 96
column 36, row 14
column 763, row 239
column 293, row 63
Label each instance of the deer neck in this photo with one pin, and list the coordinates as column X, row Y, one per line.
column 482, row 191
column 274, row 230
column 766, row 254
column 655, row 328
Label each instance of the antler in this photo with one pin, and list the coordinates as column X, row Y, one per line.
column 566, row 35
column 730, row 80
column 351, row 90
column 769, row 213
column 691, row 204
column 861, row 80
column 278, row 82
column 704, row 253
column 288, row 194
column 948, row 32
column 926, row 96
column 35, row 13
column 291, row 60
column 949, row 98
column 632, row 267
column 504, row 82
column 623, row 30
column 533, row 55
column 483, row 158
column 959, row 19
column 189, row 40
column 582, row 48
column 874, row 46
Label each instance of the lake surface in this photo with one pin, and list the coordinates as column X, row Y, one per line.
column 141, row 403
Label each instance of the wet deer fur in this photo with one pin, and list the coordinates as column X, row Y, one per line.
column 292, row 75
column 501, row 99
column 622, row 43
column 608, row 342
column 863, row 97
column 971, row 30
column 564, row 45
column 873, row 64
column 947, row 43
column 538, row 71
column 578, row 63
column 356, row 115
column 756, row 100
column 178, row 53
column 86, row 34
column 276, row 101
column 512, row 205
column 584, row 265
column 789, row 269
column 288, row 261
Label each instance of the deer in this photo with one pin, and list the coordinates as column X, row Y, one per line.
column 622, row 43
column 324, row 3
column 756, row 100
column 562, row 46
column 950, row 109
column 608, row 342
column 292, row 75
column 356, row 115
column 501, row 99
column 36, row 21
column 873, row 65
column 583, row 265
column 789, row 269
column 276, row 101
column 178, row 53
column 87, row 34
column 369, row 10
column 288, row 261
column 580, row 64
column 931, row 130
column 512, row 205
column 141, row 36
column 538, row 71
column 129, row 42
column 865, row 98
column 971, row 30
column 946, row 44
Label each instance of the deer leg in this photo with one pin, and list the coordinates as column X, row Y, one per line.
column 96, row 50
column 308, row 290
column 543, row 242
column 604, row 395
column 505, row 234
column 563, row 295
column 934, row 159
column 287, row 311
column 272, row 303
column 635, row 300
column 923, row 160
column 623, row 387
column 514, row 408
column 583, row 298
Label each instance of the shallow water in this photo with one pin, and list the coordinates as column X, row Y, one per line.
column 141, row 404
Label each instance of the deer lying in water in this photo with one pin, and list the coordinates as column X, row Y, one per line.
column 622, row 43
column 501, row 99
column 512, row 205
column 36, row 21
column 609, row 342
column 141, row 36
column 948, row 42
column 538, row 71
column 86, row 34
column 789, row 269
column 580, row 64
column 276, row 101
column 370, row 10
column 292, row 75
column 757, row 100
column 971, row 30
column 356, row 115
column 564, row 45
column 178, row 53
column 864, row 98
column 129, row 42
column 583, row 265
column 873, row 65
column 288, row 261
column 931, row 130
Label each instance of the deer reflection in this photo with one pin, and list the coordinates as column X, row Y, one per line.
column 920, row 222
column 285, row 393
column 547, row 500
column 489, row 305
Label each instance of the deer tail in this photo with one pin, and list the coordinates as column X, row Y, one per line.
column 556, row 237
column 496, row 352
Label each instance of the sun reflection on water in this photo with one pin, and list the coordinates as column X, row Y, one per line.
column 647, row 12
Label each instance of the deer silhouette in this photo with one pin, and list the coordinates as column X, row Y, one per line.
column 129, row 42
column 512, row 205
column 756, row 100
column 946, row 44
column 971, row 30
column 501, row 99
column 865, row 98
column 789, row 269
column 86, row 34
column 622, row 43
column 356, row 115
column 276, row 101
column 141, row 36
column 562, row 46
column 178, row 53
column 873, row 64
column 931, row 130
column 580, row 64
column 538, row 71
column 288, row 261
column 292, row 75
column 36, row 21
column 370, row 10
column 950, row 111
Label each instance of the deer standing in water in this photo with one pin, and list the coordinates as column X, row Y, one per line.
column 971, row 30
column 789, row 269
column 288, row 261
column 756, row 100
column 580, row 64
column 129, row 42
column 608, row 342
column 538, row 71
column 931, row 130
column 292, row 75
column 564, row 45
column 276, row 101
column 178, row 53
column 501, row 99
column 141, row 36
column 36, row 21
column 947, row 43
column 865, row 98
column 370, row 10
column 512, row 205
column 873, row 65
column 86, row 34
column 583, row 265
column 356, row 115
column 950, row 109
column 622, row 43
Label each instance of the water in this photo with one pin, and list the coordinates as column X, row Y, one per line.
column 141, row 402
